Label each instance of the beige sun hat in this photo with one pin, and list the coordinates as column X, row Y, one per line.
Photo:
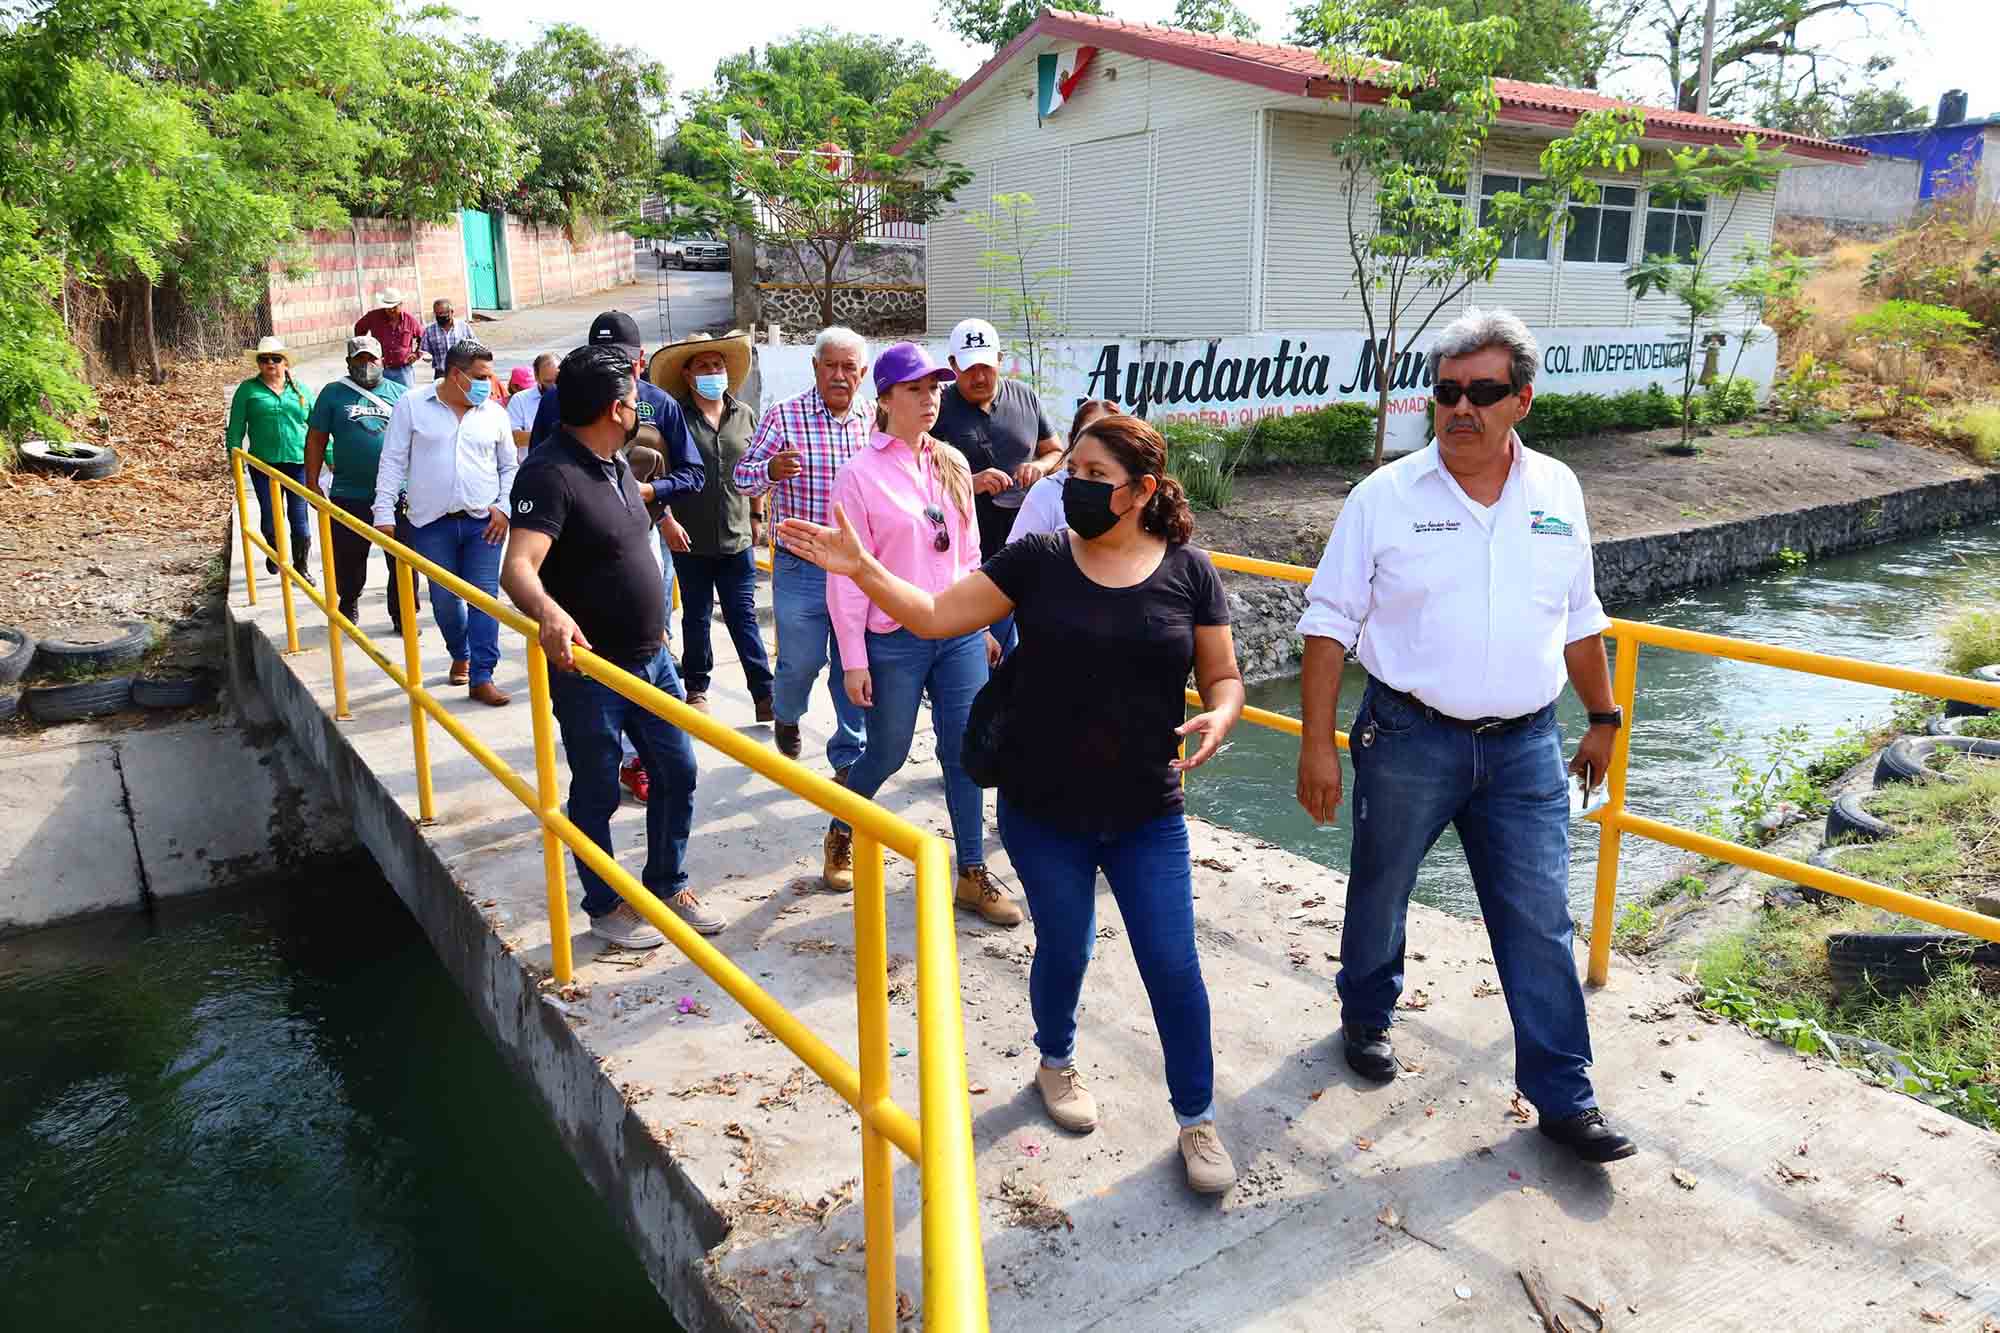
column 266, row 346
column 669, row 361
column 388, row 296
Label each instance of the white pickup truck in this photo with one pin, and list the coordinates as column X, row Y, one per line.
column 695, row 252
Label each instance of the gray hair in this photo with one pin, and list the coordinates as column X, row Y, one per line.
column 840, row 336
column 1476, row 330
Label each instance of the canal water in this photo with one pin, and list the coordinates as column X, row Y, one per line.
column 277, row 1112
column 1885, row 604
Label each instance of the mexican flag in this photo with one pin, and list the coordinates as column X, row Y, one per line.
column 1057, row 75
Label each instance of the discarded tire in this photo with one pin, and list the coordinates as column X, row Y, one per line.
column 1823, row 858
column 85, row 462
column 1952, row 726
column 17, row 650
column 67, row 703
column 1893, row 963
column 1905, row 759
column 10, row 705
column 175, row 691
column 1989, row 674
column 56, row 657
column 1847, row 821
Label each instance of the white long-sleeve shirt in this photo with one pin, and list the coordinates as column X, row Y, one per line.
column 1464, row 606
column 1042, row 510
column 446, row 463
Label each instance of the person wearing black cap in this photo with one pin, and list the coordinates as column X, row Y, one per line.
column 579, row 562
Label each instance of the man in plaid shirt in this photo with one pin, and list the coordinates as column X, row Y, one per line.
column 799, row 446
column 442, row 334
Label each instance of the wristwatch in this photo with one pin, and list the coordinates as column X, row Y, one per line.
column 1614, row 718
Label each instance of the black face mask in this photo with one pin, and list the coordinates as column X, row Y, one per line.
column 632, row 431
column 367, row 374
column 1087, row 507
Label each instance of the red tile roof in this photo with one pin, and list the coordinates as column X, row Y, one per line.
column 1299, row 71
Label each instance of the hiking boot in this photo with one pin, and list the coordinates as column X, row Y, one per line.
column 698, row 700
column 764, row 710
column 838, row 848
column 1586, row 1135
column 840, row 774
column 632, row 774
column 1369, row 1053
column 979, row 891
column 461, row 671
column 787, row 736
column 350, row 610
column 1065, row 1098
column 624, row 927
column 488, row 693
column 705, row 920
column 1209, row 1170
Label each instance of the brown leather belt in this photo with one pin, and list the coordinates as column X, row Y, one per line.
column 1483, row 725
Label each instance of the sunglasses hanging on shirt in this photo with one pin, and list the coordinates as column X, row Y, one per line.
column 1483, row 393
column 941, row 539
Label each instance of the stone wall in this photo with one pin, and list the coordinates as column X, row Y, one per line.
column 870, row 309
column 1265, row 612
column 893, row 265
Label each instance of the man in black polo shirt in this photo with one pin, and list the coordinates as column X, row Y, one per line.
column 580, row 562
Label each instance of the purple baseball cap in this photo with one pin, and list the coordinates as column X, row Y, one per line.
column 907, row 361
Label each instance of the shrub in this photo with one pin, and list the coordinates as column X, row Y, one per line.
column 1726, row 400
column 1974, row 428
column 1203, row 459
column 1801, row 395
column 1907, row 337
column 1972, row 641
column 1342, row 434
column 1568, row 416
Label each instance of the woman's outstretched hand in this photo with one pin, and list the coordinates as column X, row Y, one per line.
column 837, row 550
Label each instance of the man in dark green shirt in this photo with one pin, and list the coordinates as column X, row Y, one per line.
column 703, row 374
column 350, row 415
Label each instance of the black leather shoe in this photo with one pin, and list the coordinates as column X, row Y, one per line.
column 1586, row 1135
column 790, row 743
column 1369, row 1053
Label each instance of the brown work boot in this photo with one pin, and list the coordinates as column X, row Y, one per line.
column 1065, row 1098
column 979, row 891
column 839, row 851
column 1209, row 1170
column 488, row 693
column 461, row 671
column 765, row 712
column 789, row 744
column 698, row 700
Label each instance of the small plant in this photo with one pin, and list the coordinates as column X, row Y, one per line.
column 1785, row 774
column 1985, row 728
column 1204, row 461
column 1726, row 401
column 1908, row 338
column 1019, row 279
column 1911, row 714
column 1342, row 434
column 1636, row 924
column 1974, row 428
column 1791, row 559
column 1802, row 394
column 1971, row 641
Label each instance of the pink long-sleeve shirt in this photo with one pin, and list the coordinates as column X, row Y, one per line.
column 884, row 490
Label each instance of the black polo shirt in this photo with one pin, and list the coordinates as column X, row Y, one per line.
column 600, row 566
column 1004, row 437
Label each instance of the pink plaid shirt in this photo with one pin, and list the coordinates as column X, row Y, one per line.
column 825, row 443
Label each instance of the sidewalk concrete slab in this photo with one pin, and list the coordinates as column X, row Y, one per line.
column 65, row 845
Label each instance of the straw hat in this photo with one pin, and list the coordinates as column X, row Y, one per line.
column 669, row 361
column 266, row 346
column 388, row 297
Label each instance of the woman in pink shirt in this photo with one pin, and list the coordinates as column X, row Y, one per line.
column 909, row 498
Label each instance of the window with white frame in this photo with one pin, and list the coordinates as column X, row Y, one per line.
column 1674, row 225
column 1601, row 233
column 1527, row 243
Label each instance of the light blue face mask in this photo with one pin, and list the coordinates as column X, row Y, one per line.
column 711, row 387
column 478, row 391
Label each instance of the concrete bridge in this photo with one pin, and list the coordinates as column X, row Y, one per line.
column 1770, row 1191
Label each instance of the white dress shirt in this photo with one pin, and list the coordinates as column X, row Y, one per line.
column 1042, row 511
column 521, row 407
column 1466, row 607
column 446, row 463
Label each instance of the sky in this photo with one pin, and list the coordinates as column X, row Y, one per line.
column 1951, row 46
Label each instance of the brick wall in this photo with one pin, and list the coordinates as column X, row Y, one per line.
column 546, row 267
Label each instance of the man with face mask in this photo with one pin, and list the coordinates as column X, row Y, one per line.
column 352, row 416
column 451, row 447
column 444, row 332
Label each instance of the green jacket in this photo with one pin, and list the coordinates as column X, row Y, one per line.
column 275, row 422
column 717, row 518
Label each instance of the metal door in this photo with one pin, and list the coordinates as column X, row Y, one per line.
column 479, row 265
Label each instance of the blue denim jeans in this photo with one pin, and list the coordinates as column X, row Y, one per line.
column 298, row 514
column 459, row 544
column 1507, row 795
column 806, row 646
column 403, row 375
column 1147, row 869
column 903, row 668
column 732, row 578
column 1005, row 631
column 593, row 717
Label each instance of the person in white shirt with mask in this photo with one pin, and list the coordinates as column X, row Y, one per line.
column 1462, row 576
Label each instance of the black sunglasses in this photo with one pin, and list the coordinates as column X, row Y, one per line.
column 270, row 360
column 1483, row 393
column 941, row 539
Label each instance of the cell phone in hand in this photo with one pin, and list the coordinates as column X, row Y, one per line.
column 1583, row 802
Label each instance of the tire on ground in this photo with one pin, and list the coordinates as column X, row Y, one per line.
column 10, row 705
column 1894, row 963
column 1904, row 759
column 1988, row 674
column 85, row 462
column 179, row 690
column 1849, row 821
column 67, row 703
column 17, row 650
column 54, row 657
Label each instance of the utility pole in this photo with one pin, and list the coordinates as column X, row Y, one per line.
column 1707, row 61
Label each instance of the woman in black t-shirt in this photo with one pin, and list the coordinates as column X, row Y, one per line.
column 1114, row 613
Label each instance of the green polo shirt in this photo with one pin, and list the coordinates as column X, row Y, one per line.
column 274, row 422
column 354, row 428
column 718, row 518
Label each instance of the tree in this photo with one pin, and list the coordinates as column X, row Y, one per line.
column 1766, row 51
column 1555, row 41
column 995, row 23
column 1414, row 243
column 1216, row 16
column 1016, row 276
column 1878, row 110
column 872, row 68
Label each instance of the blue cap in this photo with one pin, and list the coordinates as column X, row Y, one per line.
column 907, row 361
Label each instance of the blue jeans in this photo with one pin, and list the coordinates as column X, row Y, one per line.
column 593, row 717
column 902, row 667
column 1507, row 794
column 805, row 647
column 1003, row 629
column 1147, row 869
column 298, row 514
column 458, row 542
column 734, row 579
column 403, row 375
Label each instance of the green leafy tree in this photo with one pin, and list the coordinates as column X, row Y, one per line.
column 1020, row 275
column 870, row 67
column 1687, row 272
column 1908, row 339
column 1765, row 50
column 1415, row 245
column 41, row 373
column 443, row 142
column 1766, row 281
column 1555, row 41
column 1222, row 17
column 995, row 23
column 1879, row 110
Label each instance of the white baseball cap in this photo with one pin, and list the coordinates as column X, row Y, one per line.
column 974, row 342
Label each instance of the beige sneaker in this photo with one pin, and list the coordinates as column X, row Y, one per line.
column 705, row 920
column 979, row 891
column 1209, row 1170
column 839, row 869
column 1065, row 1098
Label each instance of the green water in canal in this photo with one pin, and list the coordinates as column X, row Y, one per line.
column 1886, row 604
column 279, row 1113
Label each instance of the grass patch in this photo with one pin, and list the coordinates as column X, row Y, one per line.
column 1974, row 428
column 1947, row 843
column 1971, row 641
column 1985, row 728
column 1635, row 926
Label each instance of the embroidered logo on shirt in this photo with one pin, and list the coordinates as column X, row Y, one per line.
column 524, row 506
column 1548, row 525
column 1436, row 525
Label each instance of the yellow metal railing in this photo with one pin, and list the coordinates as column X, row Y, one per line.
column 939, row 1140
column 1614, row 820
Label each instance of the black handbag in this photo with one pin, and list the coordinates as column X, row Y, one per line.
column 985, row 755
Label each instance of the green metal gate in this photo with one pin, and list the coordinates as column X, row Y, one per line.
column 479, row 264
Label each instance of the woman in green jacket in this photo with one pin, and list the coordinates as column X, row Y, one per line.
column 271, row 408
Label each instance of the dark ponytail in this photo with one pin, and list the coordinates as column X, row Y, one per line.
column 1168, row 513
column 1142, row 453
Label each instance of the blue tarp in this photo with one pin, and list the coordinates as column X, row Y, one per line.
column 1950, row 155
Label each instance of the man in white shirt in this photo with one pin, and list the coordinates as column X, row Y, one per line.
column 450, row 447
column 1462, row 577
column 522, row 406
